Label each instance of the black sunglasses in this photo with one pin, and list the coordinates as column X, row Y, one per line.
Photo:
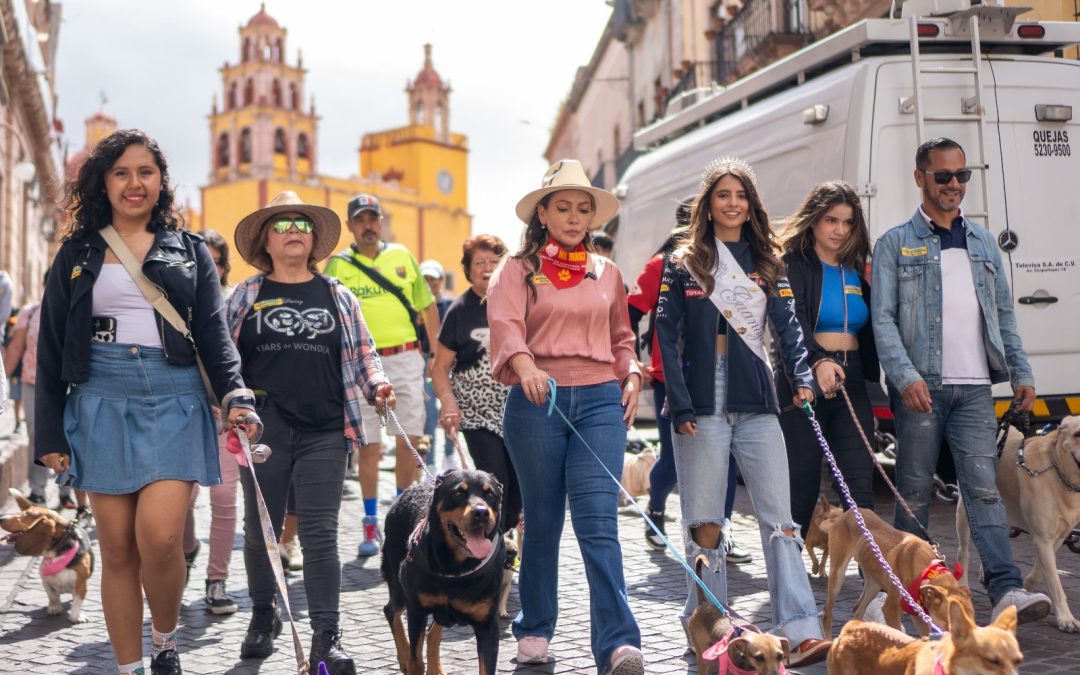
column 945, row 177
column 283, row 225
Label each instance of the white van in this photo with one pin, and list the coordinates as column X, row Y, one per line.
column 843, row 108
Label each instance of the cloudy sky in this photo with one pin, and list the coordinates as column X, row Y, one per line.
column 510, row 63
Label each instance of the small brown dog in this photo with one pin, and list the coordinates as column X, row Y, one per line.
column 635, row 473
column 911, row 559
column 817, row 535
column 509, row 565
column 965, row 650
column 67, row 557
column 715, row 639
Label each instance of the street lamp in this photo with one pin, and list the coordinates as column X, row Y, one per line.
column 24, row 169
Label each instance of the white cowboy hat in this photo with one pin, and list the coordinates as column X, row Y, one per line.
column 326, row 233
column 568, row 174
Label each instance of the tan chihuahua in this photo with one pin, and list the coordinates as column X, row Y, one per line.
column 910, row 557
column 965, row 650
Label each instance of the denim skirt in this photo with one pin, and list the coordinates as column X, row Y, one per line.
column 138, row 419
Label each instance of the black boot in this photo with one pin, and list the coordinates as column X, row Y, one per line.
column 166, row 663
column 264, row 627
column 651, row 537
column 326, row 646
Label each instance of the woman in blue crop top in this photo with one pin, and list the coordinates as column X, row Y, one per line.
column 826, row 247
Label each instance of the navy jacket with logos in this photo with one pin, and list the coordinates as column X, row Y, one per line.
column 688, row 322
column 180, row 264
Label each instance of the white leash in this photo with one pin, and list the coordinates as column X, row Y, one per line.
column 259, row 455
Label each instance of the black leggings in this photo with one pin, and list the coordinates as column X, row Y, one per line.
column 805, row 454
column 489, row 454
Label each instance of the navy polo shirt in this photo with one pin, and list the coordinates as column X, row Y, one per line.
column 952, row 238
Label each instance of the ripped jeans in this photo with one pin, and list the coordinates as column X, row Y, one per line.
column 963, row 414
column 701, row 463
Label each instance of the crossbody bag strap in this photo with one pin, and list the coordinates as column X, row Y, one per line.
column 384, row 283
column 155, row 297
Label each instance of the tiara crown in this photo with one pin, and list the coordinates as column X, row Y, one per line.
column 722, row 165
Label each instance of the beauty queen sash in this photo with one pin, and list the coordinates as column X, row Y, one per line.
column 740, row 301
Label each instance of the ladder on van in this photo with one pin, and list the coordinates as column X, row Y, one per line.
column 972, row 109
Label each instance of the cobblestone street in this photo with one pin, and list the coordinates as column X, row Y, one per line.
column 32, row 642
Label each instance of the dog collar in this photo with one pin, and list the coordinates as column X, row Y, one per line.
column 934, row 569
column 719, row 652
column 51, row 566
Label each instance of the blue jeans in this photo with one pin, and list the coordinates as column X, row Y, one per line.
column 552, row 464
column 662, row 476
column 963, row 414
column 702, row 463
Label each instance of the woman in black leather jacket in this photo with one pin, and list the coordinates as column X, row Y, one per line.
column 826, row 247
column 122, row 412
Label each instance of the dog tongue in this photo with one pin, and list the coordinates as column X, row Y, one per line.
column 479, row 546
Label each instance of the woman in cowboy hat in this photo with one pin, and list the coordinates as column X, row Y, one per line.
column 718, row 295
column 558, row 313
column 307, row 352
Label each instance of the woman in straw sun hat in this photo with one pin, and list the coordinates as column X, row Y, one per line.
column 556, row 311
column 308, row 354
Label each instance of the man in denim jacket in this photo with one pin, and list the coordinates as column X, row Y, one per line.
column 945, row 332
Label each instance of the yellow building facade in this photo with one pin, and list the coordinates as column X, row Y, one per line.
column 264, row 140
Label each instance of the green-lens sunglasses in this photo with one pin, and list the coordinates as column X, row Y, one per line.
column 283, row 225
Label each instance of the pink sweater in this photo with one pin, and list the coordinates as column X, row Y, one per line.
column 579, row 335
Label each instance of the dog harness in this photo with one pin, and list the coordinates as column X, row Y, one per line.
column 939, row 666
column 77, row 545
column 1035, row 472
column 934, row 569
column 719, row 652
column 417, row 555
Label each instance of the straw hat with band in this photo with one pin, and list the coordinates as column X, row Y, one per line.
column 568, row 174
column 326, row 233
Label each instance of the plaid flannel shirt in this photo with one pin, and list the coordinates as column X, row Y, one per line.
column 361, row 370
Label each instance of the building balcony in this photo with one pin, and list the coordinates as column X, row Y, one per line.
column 691, row 77
column 761, row 32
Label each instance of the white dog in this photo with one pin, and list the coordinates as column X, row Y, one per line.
column 1043, row 498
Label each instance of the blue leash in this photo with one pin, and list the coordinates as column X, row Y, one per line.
column 633, row 502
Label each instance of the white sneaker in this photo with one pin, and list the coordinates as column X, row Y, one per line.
column 291, row 551
column 1029, row 606
column 873, row 609
column 532, row 649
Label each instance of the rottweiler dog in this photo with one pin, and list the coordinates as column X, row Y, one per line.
column 444, row 557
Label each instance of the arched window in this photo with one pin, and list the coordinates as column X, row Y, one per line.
column 294, row 97
column 223, row 150
column 231, row 99
column 420, row 114
column 302, row 149
column 279, row 141
column 245, row 146
column 280, row 51
column 249, row 92
column 245, row 54
column 275, row 93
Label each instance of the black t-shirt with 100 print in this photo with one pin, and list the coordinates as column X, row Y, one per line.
column 290, row 346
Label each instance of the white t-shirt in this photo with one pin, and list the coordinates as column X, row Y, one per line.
column 963, row 353
column 121, row 312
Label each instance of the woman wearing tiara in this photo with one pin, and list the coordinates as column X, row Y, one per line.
column 719, row 291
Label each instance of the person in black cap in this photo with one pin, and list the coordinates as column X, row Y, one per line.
column 398, row 306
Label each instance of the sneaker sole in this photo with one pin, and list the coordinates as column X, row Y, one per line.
column 739, row 561
column 1033, row 612
column 632, row 665
column 227, row 609
column 810, row 659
